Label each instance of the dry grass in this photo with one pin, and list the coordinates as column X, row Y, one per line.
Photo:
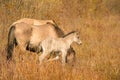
column 98, row 58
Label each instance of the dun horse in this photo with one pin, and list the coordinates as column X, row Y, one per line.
column 25, row 30
column 34, row 21
column 58, row 44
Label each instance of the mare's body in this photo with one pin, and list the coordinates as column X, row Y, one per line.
column 25, row 33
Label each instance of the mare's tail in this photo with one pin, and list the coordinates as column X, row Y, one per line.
column 11, row 42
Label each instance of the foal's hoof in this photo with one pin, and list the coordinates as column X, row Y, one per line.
column 57, row 58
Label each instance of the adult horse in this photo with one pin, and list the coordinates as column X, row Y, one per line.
column 26, row 30
column 34, row 21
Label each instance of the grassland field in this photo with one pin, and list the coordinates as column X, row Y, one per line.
column 98, row 21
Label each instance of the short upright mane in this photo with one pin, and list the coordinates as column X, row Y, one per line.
column 69, row 33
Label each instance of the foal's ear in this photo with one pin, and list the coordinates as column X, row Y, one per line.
column 77, row 32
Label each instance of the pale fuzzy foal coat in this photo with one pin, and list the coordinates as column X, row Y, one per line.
column 54, row 44
column 58, row 44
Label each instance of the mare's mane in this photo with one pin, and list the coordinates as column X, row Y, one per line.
column 69, row 33
column 57, row 29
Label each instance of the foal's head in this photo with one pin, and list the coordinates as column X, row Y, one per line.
column 76, row 38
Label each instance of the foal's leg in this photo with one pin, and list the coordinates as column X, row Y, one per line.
column 56, row 58
column 42, row 56
column 64, row 57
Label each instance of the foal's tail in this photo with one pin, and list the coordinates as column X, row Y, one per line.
column 11, row 42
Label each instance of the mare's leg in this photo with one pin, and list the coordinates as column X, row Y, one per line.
column 32, row 48
column 71, row 55
column 22, row 45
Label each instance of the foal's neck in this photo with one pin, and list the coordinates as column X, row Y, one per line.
column 69, row 39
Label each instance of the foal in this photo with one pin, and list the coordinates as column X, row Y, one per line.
column 58, row 44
